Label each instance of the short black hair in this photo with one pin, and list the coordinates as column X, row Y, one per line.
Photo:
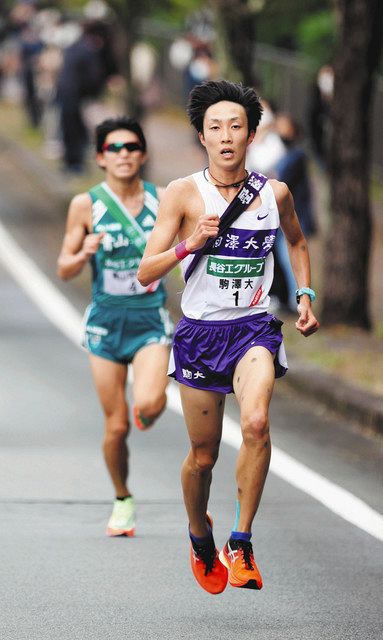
column 204, row 95
column 113, row 124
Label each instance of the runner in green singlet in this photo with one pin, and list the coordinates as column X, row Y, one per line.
column 125, row 323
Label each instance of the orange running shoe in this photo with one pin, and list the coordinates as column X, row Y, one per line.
column 237, row 556
column 209, row 572
column 141, row 423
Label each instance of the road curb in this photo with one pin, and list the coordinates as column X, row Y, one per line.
column 349, row 399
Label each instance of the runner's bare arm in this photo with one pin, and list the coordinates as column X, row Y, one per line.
column 160, row 257
column 78, row 244
column 160, row 192
column 299, row 255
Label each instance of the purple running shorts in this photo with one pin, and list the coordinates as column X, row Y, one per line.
column 205, row 352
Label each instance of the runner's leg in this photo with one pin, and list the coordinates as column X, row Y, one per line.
column 253, row 385
column 203, row 413
column 150, row 366
column 110, row 381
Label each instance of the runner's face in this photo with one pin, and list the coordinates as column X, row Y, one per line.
column 124, row 164
column 225, row 135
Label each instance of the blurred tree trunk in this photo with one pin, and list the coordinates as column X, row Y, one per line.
column 346, row 271
column 236, row 21
column 129, row 13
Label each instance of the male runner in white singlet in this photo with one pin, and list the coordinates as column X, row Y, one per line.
column 227, row 341
column 125, row 323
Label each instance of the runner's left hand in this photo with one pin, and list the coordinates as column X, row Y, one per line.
column 307, row 323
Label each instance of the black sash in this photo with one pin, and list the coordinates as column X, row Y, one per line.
column 250, row 190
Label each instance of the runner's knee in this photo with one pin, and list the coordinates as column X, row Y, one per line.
column 255, row 427
column 117, row 424
column 117, row 431
column 204, row 458
column 151, row 407
column 116, row 410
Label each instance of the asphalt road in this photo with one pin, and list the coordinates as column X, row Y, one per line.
column 62, row 578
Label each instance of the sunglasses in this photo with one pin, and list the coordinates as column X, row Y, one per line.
column 115, row 147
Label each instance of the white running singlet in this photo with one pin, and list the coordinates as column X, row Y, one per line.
column 234, row 280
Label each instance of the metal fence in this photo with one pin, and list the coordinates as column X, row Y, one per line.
column 286, row 79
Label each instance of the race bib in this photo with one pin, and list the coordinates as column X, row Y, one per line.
column 235, row 282
column 123, row 283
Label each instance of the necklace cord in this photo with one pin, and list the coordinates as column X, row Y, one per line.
column 224, row 186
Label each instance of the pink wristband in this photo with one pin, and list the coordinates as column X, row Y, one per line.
column 181, row 250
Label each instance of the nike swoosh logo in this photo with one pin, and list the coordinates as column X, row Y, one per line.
column 262, row 217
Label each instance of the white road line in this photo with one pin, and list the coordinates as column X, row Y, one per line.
column 66, row 318
column 35, row 283
column 336, row 499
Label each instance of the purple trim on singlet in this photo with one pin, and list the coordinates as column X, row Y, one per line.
column 247, row 194
column 244, row 243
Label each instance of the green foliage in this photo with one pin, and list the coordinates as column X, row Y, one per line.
column 6, row 6
column 173, row 12
column 70, row 6
column 185, row 6
column 316, row 37
column 279, row 22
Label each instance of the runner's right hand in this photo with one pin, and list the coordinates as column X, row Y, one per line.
column 206, row 227
column 91, row 243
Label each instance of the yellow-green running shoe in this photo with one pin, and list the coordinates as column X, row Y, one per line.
column 122, row 521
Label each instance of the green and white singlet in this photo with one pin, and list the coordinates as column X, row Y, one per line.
column 115, row 265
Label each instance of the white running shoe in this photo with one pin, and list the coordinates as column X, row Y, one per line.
column 122, row 522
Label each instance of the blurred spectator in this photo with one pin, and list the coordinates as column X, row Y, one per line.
column 49, row 65
column 145, row 80
column 201, row 68
column 20, row 16
column 293, row 170
column 263, row 154
column 180, row 53
column 267, row 148
column 319, row 113
column 30, row 49
column 86, row 67
column 22, row 37
column 96, row 10
column 10, row 70
column 48, row 23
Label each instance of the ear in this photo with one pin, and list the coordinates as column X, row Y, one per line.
column 251, row 137
column 201, row 138
column 100, row 160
